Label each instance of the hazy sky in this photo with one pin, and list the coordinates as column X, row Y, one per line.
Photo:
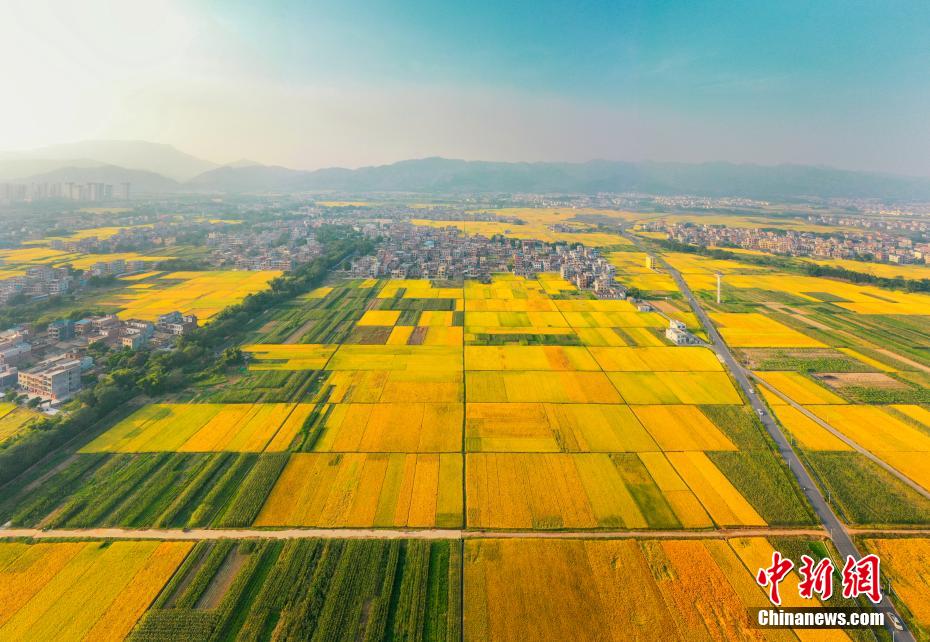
column 319, row 83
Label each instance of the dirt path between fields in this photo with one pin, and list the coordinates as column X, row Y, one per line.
column 377, row 533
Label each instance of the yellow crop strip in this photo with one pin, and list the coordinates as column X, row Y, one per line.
column 379, row 317
column 343, row 490
column 906, row 563
column 723, row 502
column 571, row 358
column 393, row 427
column 90, row 591
column 799, row 388
column 678, row 428
column 675, row 387
column 874, row 429
column 752, row 330
column 667, row 359
column 808, row 432
column 616, row 590
column 204, row 428
column 289, row 357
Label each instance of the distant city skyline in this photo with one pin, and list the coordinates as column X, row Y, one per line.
column 349, row 83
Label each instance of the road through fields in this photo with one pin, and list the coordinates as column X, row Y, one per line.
column 838, row 533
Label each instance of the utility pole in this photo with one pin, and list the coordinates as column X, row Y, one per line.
column 719, row 281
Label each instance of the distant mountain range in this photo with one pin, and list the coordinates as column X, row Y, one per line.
column 154, row 168
column 140, row 155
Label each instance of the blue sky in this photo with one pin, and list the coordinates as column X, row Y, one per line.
column 316, row 83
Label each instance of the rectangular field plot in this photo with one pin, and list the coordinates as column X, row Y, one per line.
column 371, row 386
column 587, row 590
column 799, row 388
column 571, row 358
column 589, row 491
column 312, row 589
column 668, row 359
column 424, row 358
column 753, row 330
column 205, row 428
column 289, row 357
column 81, row 590
column 677, row 428
column 367, row 490
column 675, row 387
column 808, row 433
column 392, row 427
column 549, row 427
column 556, row 387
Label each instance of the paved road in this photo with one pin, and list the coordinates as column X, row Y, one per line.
column 838, row 533
column 377, row 533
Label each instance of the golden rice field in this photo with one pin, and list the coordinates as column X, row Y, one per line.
column 21, row 258
column 807, row 432
column 290, row 356
column 675, row 387
column 754, row 330
column 379, row 317
column 884, row 270
column 526, row 589
column 81, row 590
column 14, row 420
column 423, row 358
column 903, row 446
column 318, row 293
column 203, row 294
column 906, row 562
column 858, row 298
column 540, row 387
column 690, row 264
column 139, row 277
column 408, row 427
column 537, row 225
column 205, row 428
column 681, row 428
column 554, row 427
column 365, row 490
column 534, row 436
column 598, row 490
column 664, row 359
column 392, row 386
column 876, row 429
column 799, row 388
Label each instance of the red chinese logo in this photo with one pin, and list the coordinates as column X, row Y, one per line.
column 770, row 577
column 815, row 579
column 862, row 578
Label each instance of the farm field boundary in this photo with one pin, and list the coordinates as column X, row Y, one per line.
column 377, row 533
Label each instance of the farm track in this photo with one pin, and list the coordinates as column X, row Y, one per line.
column 207, row 534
